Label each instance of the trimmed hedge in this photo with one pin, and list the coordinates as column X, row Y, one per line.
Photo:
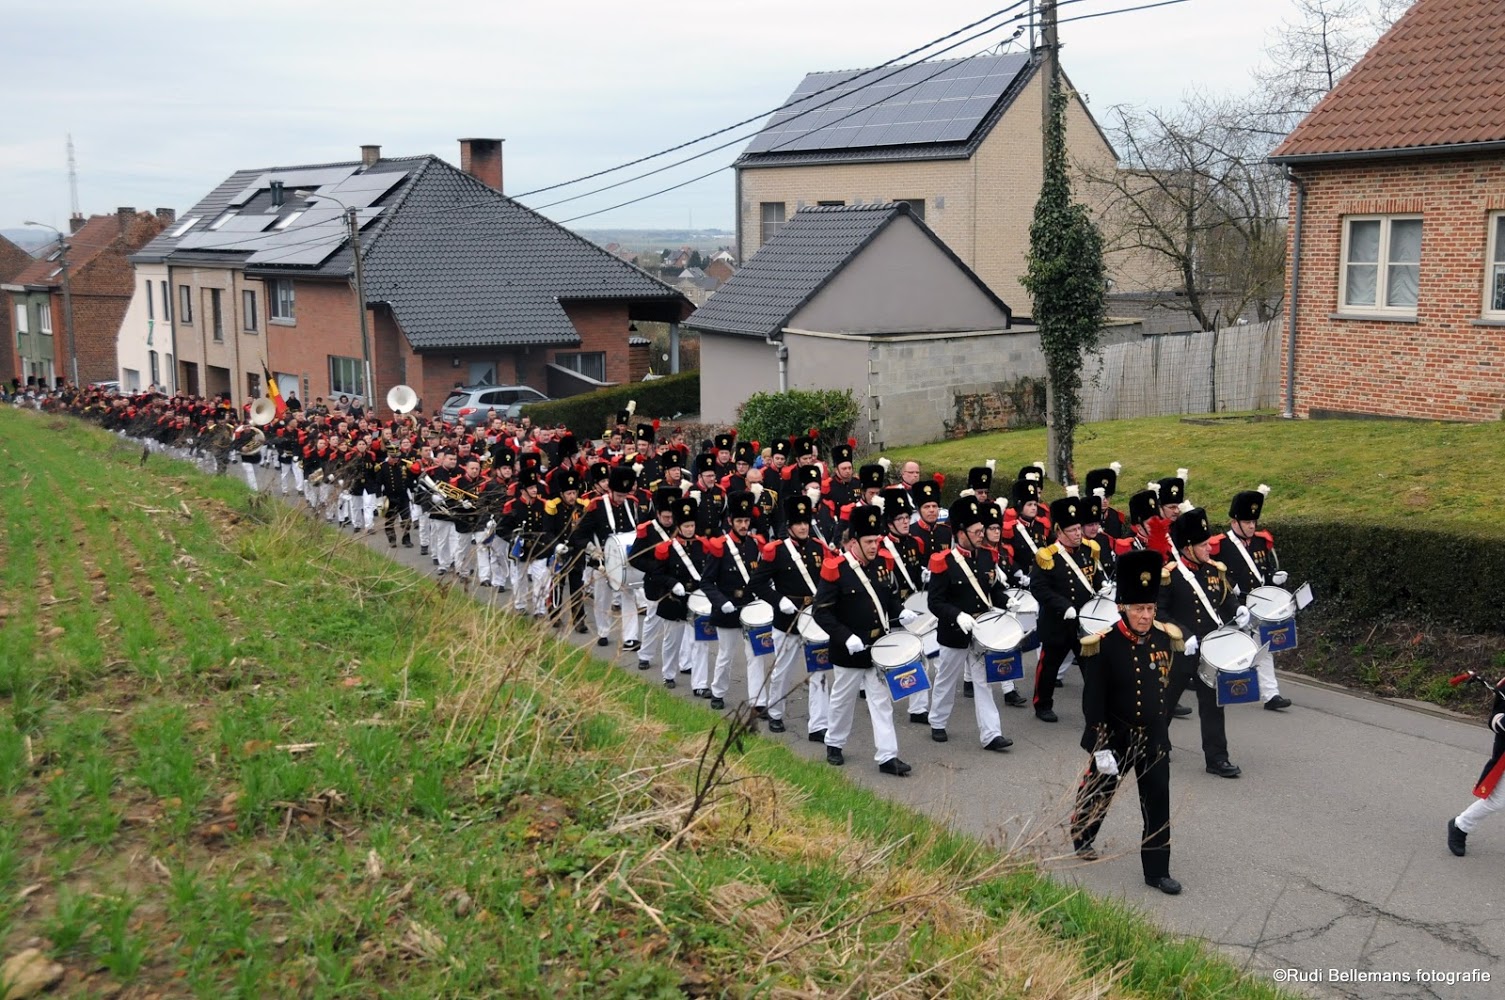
column 767, row 416
column 592, row 412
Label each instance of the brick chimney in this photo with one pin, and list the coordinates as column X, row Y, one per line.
column 76, row 222
column 369, row 155
column 124, row 215
column 482, row 159
column 167, row 216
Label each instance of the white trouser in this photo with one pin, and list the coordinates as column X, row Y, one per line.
column 1060, row 671
column 696, row 655
column 446, row 544
column 290, row 470
column 788, row 664
column 425, row 526
column 961, row 664
column 818, row 698
column 343, row 507
column 1469, row 818
column 880, row 709
column 727, row 641
column 601, row 601
column 368, row 510
column 485, row 559
column 534, row 589
column 310, row 493
column 249, row 468
column 1264, row 666
column 654, row 630
column 322, row 502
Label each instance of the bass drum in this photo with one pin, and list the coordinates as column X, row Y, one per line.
column 1097, row 615
column 925, row 624
column 1227, row 665
column 614, row 562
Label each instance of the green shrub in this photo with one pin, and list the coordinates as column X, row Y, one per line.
column 767, row 416
column 591, row 412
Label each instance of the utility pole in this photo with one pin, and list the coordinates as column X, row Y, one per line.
column 62, row 260
column 353, row 215
column 1049, row 78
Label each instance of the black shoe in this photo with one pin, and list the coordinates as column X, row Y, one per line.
column 603, row 641
column 644, row 664
column 761, row 711
column 862, row 693
column 818, row 736
column 834, row 757
column 921, row 717
column 1457, row 839
column 581, row 628
column 1180, row 712
column 391, row 542
column 1087, row 852
column 718, row 703
column 631, row 645
column 999, row 744
column 686, row 670
column 1278, row 702
column 967, row 690
column 895, row 766
column 407, row 542
column 1047, row 716
column 1165, row 884
column 1015, row 700
column 1060, row 682
column 1224, row 769
column 669, row 683
column 701, row 692
column 423, row 550
column 939, row 735
column 775, row 725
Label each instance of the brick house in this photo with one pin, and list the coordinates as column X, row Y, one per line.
column 958, row 140
column 97, row 253
column 1396, row 256
column 13, row 260
column 462, row 285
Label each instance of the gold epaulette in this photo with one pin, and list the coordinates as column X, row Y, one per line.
column 1173, row 633
column 1165, row 574
column 1091, row 643
column 1222, row 567
column 1096, row 549
column 551, row 506
column 1046, row 557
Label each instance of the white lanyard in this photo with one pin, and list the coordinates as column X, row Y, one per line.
column 1028, row 539
column 1071, row 561
column 899, row 562
column 1248, row 560
column 877, row 604
column 737, row 558
column 1196, row 585
column 799, row 564
column 611, row 519
column 971, row 578
column 684, row 557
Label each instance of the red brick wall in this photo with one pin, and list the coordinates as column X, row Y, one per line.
column 602, row 327
column 325, row 323
column 1442, row 366
column 13, row 260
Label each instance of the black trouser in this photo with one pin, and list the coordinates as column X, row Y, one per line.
column 398, row 507
column 1095, row 793
column 1209, row 712
column 1052, row 655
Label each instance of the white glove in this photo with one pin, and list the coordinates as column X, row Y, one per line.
column 924, row 577
column 695, row 495
column 491, row 525
column 854, row 645
column 1498, row 722
column 1106, row 764
column 908, row 615
column 966, row 622
column 1279, row 579
column 728, row 608
column 1241, row 617
column 1022, row 578
column 678, row 590
column 787, row 606
column 561, row 549
column 1192, row 646
column 1070, row 614
column 1105, row 589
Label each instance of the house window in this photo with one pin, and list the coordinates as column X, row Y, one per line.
column 21, row 325
column 166, row 303
column 132, row 379
column 248, row 311
column 156, row 370
column 345, row 376
column 1381, row 264
column 44, row 317
column 216, row 315
column 916, row 206
column 591, row 364
column 830, row 204
column 151, row 308
column 773, row 219
column 253, row 385
column 1494, row 274
column 282, row 301
column 185, row 304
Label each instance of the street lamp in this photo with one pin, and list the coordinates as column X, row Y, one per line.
column 352, row 216
column 62, row 259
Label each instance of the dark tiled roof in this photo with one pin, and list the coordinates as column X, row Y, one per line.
column 1434, row 79
column 206, row 211
column 801, row 258
column 92, row 239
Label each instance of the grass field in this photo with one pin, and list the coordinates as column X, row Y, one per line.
column 241, row 755
column 1379, row 471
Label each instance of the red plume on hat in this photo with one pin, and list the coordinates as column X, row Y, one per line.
column 940, row 479
column 814, row 432
column 851, row 443
column 755, row 446
column 732, row 432
column 655, row 423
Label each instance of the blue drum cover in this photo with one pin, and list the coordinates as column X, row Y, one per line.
column 704, row 630
column 907, row 680
column 1241, row 688
column 817, row 658
column 1278, row 635
column 761, row 639
column 1004, row 666
column 517, row 549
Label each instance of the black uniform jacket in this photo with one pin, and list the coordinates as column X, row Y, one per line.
column 1057, row 588
column 1180, row 605
column 669, row 568
column 1261, row 549
column 650, row 534
column 949, row 592
column 724, row 581
column 843, row 607
column 779, row 576
column 909, row 565
column 1124, row 677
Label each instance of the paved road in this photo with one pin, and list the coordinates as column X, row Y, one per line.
column 1328, row 853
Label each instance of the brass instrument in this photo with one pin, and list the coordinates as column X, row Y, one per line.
column 316, row 477
column 401, row 399
column 263, row 412
column 258, row 440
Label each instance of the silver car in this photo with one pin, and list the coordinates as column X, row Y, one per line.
column 470, row 404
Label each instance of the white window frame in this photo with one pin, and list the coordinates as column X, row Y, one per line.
column 1491, row 265
column 151, row 307
column 341, row 369
column 44, row 318
column 769, row 228
column 23, row 318
column 276, row 306
column 250, row 309
column 130, row 380
column 185, row 304
column 1382, row 267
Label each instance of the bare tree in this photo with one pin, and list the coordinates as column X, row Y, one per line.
column 1389, row 11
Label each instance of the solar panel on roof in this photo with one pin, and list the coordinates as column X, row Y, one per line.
column 928, row 102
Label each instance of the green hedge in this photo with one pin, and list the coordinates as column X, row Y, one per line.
column 1369, row 574
column 768, row 416
column 593, row 412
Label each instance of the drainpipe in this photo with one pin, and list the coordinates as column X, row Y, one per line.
column 1290, row 408
column 172, row 328
column 781, row 351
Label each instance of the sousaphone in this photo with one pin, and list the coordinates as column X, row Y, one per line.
column 402, row 399
column 263, row 412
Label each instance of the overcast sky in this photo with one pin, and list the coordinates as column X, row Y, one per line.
column 164, row 98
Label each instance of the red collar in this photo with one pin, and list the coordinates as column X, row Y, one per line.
column 1128, row 633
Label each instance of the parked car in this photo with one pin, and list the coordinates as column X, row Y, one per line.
column 470, row 404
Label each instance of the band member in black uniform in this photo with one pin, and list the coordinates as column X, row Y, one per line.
column 1124, row 672
column 1196, row 596
column 1114, row 525
column 722, row 455
column 806, row 481
column 1092, row 531
column 657, row 632
column 906, row 549
column 709, row 497
column 678, row 569
column 1064, row 579
column 841, row 488
column 394, row 479
column 786, row 579
column 1026, row 531
column 1489, row 792
column 855, row 605
column 927, row 527
column 616, row 513
column 1249, row 553
column 467, row 516
column 742, row 461
column 735, row 558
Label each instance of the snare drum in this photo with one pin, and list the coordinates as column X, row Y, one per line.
column 901, row 658
column 1227, row 665
column 817, row 642
column 757, row 622
column 1272, row 611
column 919, row 603
column 997, row 637
column 1023, row 606
column 700, row 607
column 614, row 560
column 1097, row 615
